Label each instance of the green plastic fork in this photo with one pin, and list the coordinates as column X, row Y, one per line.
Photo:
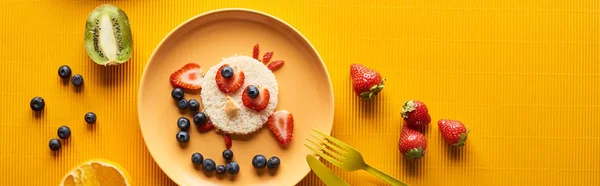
column 346, row 157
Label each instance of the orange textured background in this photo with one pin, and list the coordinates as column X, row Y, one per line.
column 523, row 75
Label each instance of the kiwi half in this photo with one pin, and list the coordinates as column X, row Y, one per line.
column 108, row 35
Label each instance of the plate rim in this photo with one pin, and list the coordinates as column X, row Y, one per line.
column 216, row 11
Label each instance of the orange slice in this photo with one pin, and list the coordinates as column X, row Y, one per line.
column 97, row 172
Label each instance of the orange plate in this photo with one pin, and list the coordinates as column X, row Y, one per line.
column 304, row 87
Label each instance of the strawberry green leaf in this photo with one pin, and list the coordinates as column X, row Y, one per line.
column 366, row 95
column 408, row 107
column 462, row 140
column 373, row 91
column 415, row 153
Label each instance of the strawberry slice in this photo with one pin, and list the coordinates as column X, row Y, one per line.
column 229, row 78
column 281, row 124
column 188, row 77
column 227, row 138
column 207, row 126
column 255, row 98
column 267, row 57
column 256, row 51
column 275, row 65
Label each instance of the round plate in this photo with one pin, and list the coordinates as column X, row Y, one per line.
column 304, row 90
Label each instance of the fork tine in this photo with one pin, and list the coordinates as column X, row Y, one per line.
column 327, row 143
column 329, row 159
column 340, row 158
column 336, row 141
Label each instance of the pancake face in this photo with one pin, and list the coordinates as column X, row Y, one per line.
column 243, row 120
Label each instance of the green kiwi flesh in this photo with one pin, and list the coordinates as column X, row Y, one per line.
column 108, row 35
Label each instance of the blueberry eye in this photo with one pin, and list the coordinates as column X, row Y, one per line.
column 227, row 72
column 252, row 91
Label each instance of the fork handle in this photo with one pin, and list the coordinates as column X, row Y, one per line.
column 384, row 176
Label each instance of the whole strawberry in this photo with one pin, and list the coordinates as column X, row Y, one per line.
column 366, row 82
column 415, row 114
column 454, row 132
column 412, row 144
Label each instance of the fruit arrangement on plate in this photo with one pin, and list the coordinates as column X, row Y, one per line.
column 239, row 96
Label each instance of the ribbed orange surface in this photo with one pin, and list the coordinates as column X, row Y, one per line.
column 523, row 75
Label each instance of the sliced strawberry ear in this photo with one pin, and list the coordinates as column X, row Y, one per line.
column 188, row 77
column 275, row 65
column 256, row 51
column 267, row 57
column 281, row 124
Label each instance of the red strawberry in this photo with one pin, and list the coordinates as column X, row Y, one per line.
column 267, row 57
column 281, row 124
column 412, row 143
column 275, row 65
column 207, row 126
column 366, row 82
column 260, row 102
column 415, row 114
column 227, row 138
column 454, row 132
column 228, row 85
column 188, row 77
column 256, row 52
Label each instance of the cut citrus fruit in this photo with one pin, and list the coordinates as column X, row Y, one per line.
column 97, row 172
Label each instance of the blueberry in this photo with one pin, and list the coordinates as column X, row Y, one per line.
column 220, row 169
column 252, row 91
column 182, row 104
column 77, row 80
column 54, row 144
column 37, row 103
column 197, row 158
column 233, row 167
column 64, row 132
column 177, row 93
column 194, row 104
column 259, row 161
column 208, row 165
column 227, row 72
column 227, row 154
column 183, row 136
column 199, row 119
column 90, row 117
column 273, row 162
column 64, row 71
column 183, row 123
